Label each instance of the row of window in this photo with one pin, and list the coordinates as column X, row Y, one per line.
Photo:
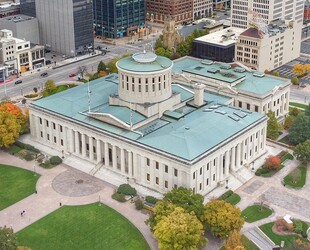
column 47, row 124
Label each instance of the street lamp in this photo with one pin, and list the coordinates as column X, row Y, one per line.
column 34, row 170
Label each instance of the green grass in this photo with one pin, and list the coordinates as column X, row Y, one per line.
column 296, row 178
column 82, row 227
column 248, row 244
column 298, row 105
column 287, row 156
column 15, row 185
column 230, row 197
column 255, row 213
column 285, row 140
column 289, row 239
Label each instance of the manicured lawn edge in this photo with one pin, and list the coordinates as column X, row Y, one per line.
column 253, row 213
column 298, row 105
column 230, row 197
column 301, row 181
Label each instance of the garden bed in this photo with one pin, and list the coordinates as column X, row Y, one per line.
column 296, row 178
column 255, row 213
column 230, row 197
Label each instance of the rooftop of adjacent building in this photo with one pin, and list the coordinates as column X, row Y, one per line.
column 223, row 37
column 240, row 78
column 7, row 36
column 186, row 132
column 18, row 18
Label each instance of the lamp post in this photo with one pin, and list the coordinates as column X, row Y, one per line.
column 34, row 170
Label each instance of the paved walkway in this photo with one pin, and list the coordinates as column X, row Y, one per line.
column 70, row 187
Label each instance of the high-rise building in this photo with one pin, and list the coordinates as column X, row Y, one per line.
column 202, row 8
column 159, row 10
column 266, row 10
column 118, row 18
column 65, row 26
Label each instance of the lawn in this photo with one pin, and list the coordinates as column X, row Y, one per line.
column 255, row 213
column 15, row 184
column 248, row 244
column 267, row 229
column 230, row 197
column 82, row 227
column 287, row 156
column 298, row 105
column 296, row 178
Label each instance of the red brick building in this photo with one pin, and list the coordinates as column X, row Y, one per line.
column 179, row 10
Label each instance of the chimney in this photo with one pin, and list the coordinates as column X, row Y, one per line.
column 198, row 94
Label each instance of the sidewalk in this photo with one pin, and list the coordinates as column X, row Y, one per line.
column 48, row 199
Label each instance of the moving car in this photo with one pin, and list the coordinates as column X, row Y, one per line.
column 44, row 74
column 18, row 82
column 72, row 75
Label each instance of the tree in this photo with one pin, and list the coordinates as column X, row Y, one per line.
column 7, row 239
column 159, row 42
column 272, row 162
column 112, row 65
column 294, row 111
column 161, row 51
column 180, row 231
column 183, row 48
column 16, row 111
column 82, row 70
column 273, row 127
column 162, row 209
column 307, row 110
column 185, row 198
column 302, row 152
column 101, row 67
column 50, row 86
column 300, row 129
column 276, row 73
column 9, row 129
column 295, row 80
column 222, row 218
column 266, row 71
column 35, row 90
column 288, row 121
column 299, row 69
column 233, row 241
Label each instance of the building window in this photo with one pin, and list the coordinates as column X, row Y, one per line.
column 157, row 164
column 47, row 124
column 48, row 137
column 41, row 134
column 60, row 128
column 175, row 186
column 166, row 169
column 248, row 106
column 40, row 119
column 175, row 172
column 157, row 180
column 148, row 161
column 194, row 176
column 207, row 182
column 61, row 142
column 201, row 171
column 208, row 167
column 55, row 139
column 256, row 108
column 148, row 177
column 240, row 104
column 200, row 186
column 54, row 125
column 166, row 184
column 213, row 177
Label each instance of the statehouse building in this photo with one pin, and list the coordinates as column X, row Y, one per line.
column 160, row 124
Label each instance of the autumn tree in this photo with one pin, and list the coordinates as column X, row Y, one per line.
column 49, row 86
column 272, row 162
column 222, row 218
column 180, row 231
column 101, row 67
column 299, row 69
column 302, row 152
column 233, row 241
column 299, row 132
column 7, row 239
column 273, row 127
column 22, row 119
column 185, row 198
column 9, row 129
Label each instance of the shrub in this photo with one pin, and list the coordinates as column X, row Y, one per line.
column 226, row 195
column 266, row 71
column 295, row 80
column 282, row 225
column 272, row 162
column 55, row 160
column 28, row 156
column 294, row 111
column 139, row 204
column 261, row 171
column 151, row 199
column 288, row 122
column 276, row 73
column 297, row 226
column 285, row 76
column 126, row 189
column 31, row 148
column 119, row 197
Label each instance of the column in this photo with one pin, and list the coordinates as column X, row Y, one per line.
column 238, row 156
column 57, row 134
column 162, row 175
column 77, row 142
column 50, row 132
column 106, row 155
column 142, row 168
column 152, row 173
column 220, row 167
column 91, row 148
column 122, row 160
column 98, row 151
column 114, row 159
column 129, row 163
column 135, row 173
column 233, row 154
column 83, row 146
column 227, row 161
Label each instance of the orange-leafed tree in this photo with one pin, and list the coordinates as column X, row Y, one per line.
column 272, row 162
column 233, row 241
column 299, row 69
column 17, row 112
column 9, row 129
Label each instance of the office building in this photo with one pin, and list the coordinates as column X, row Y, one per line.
column 243, row 13
column 202, row 8
column 179, row 10
column 66, row 26
column 118, row 18
column 23, row 27
column 28, row 7
column 261, row 51
column 221, row 4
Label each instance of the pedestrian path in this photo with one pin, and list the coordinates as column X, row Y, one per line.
column 259, row 238
column 47, row 199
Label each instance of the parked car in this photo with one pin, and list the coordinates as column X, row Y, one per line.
column 44, row 74
column 72, row 75
column 18, row 82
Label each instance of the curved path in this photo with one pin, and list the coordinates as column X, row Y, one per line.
column 67, row 186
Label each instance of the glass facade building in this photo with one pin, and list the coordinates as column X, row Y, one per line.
column 28, row 7
column 118, row 18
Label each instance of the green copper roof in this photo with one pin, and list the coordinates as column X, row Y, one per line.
column 186, row 135
column 160, row 63
column 247, row 81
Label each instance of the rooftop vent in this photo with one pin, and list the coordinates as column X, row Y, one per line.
column 213, row 71
column 220, row 112
column 207, row 110
column 239, row 69
column 207, row 62
column 214, row 106
column 258, row 74
column 199, row 68
column 234, row 118
column 225, row 66
column 240, row 114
